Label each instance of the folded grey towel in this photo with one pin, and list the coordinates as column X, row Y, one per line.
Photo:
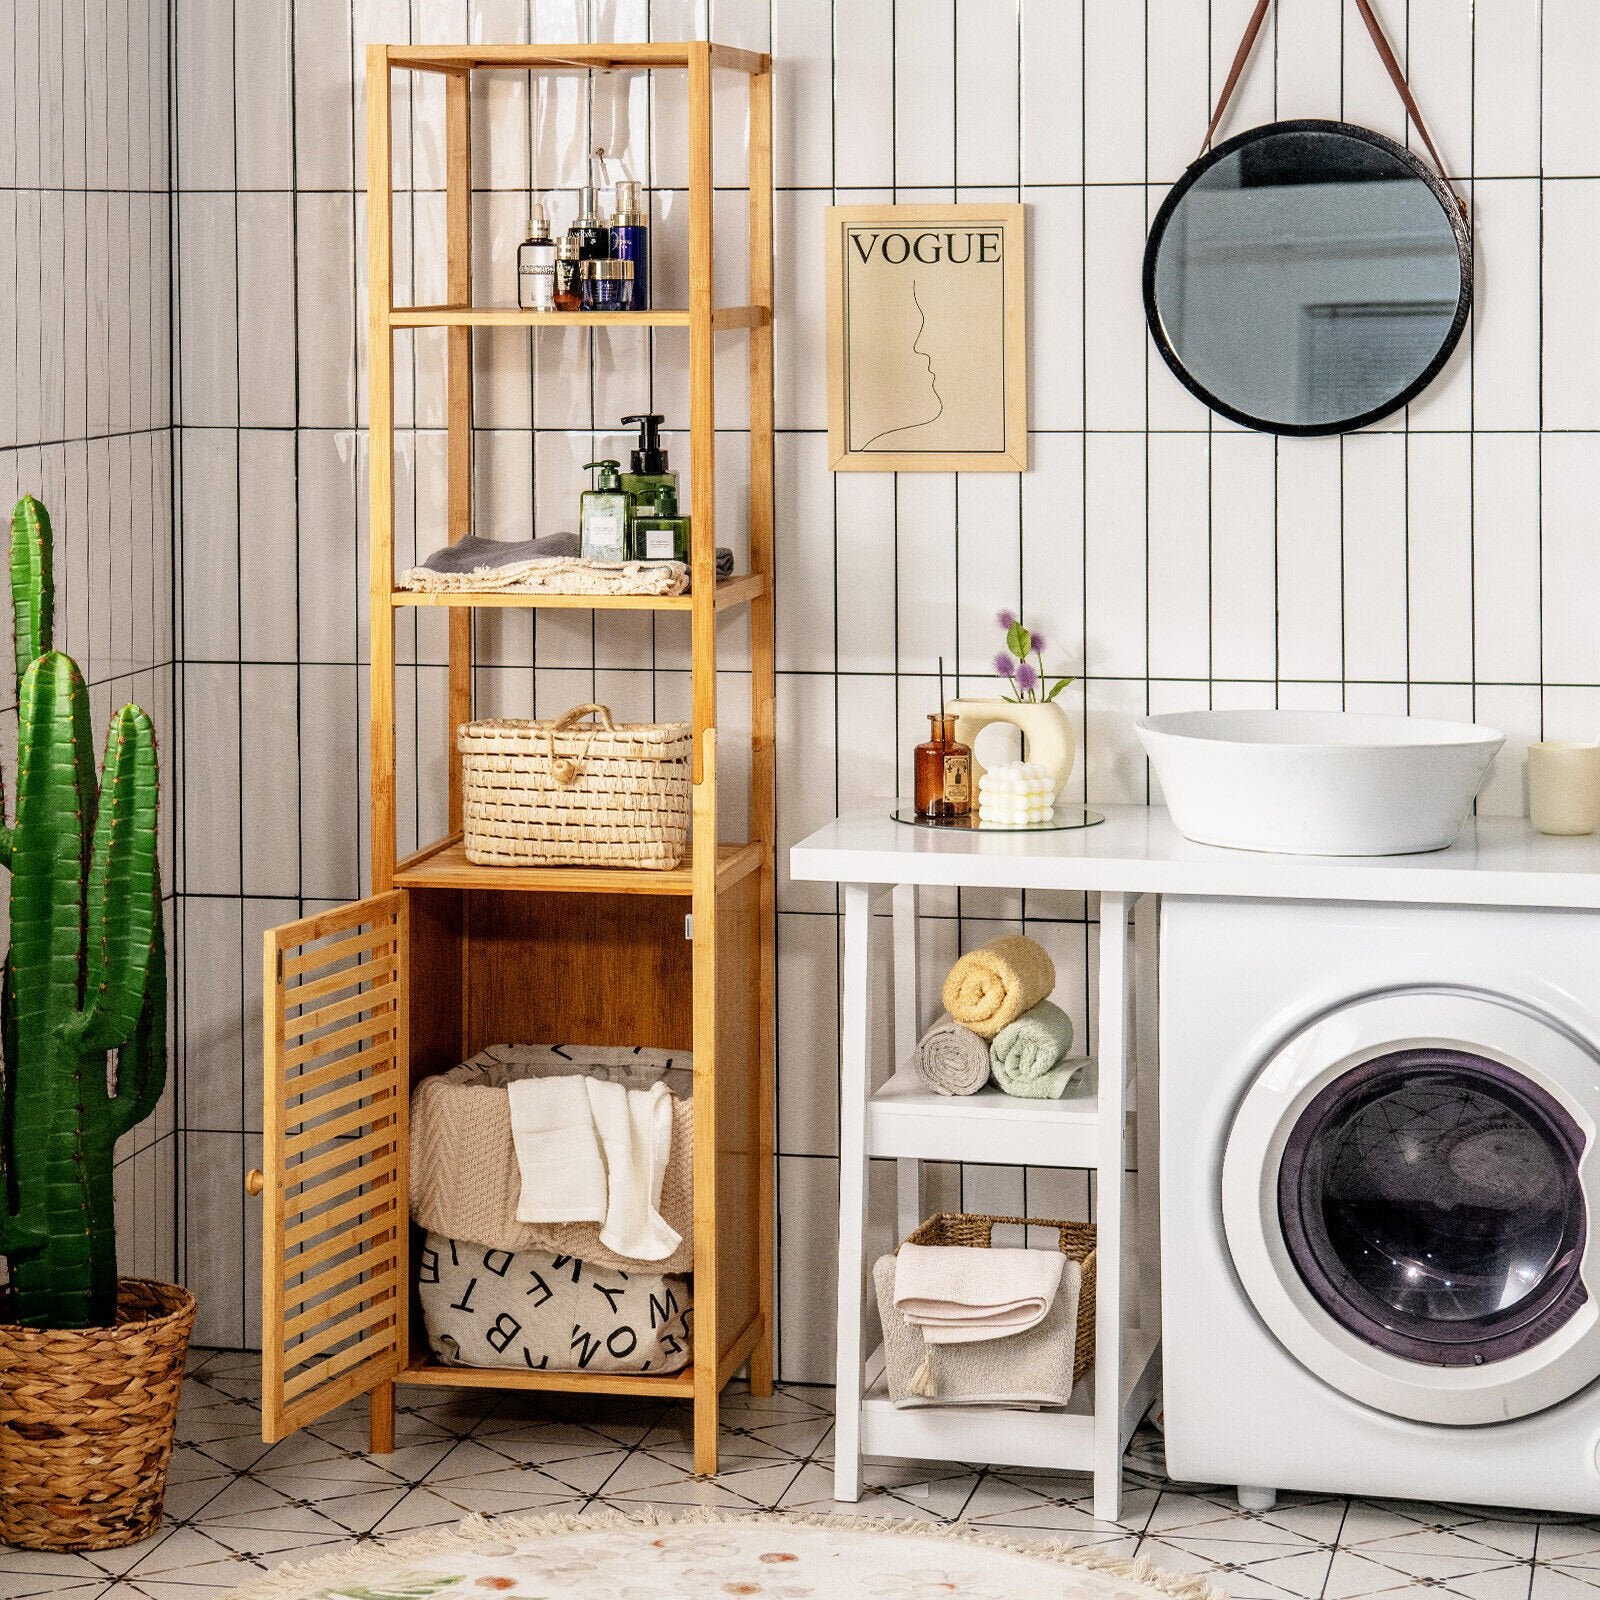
column 477, row 554
column 473, row 553
column 1025, row 1371
column 952, row 1059
column 1029, row 1057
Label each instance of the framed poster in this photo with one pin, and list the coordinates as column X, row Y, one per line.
column 927, row 339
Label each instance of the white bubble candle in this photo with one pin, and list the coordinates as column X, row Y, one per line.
column 1016, row 794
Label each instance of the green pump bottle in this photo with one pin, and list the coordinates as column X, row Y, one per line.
column 603, row 515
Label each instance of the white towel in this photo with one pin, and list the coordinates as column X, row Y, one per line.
column 558, row 1155
column 953, row 1294
column 589, row 1151
column 635, row 1131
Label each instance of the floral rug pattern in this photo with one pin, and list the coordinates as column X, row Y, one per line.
column 702, row 1559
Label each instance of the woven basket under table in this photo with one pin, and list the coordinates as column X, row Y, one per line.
column 1077, row 1242
column 570, row 792
column 86, row 1420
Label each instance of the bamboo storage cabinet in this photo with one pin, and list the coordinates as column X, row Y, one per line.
column 444, row 957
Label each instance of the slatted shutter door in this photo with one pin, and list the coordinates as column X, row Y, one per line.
column 334, row 1293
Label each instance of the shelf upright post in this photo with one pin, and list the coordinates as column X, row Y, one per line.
column 703, row 645
column 380, row 534
column 763, row 695
column 458, row 380
column 1110, row 1188
column 380, row 451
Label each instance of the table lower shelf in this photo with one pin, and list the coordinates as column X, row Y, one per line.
column 1062, row 1441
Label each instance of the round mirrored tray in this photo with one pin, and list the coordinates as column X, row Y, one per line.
column 1060, row 820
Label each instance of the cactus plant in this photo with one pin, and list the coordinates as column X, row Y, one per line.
column 85, row 976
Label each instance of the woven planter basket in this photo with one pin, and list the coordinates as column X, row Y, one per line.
column 557, row 794
column 1077, row 1243
column 86, row 1421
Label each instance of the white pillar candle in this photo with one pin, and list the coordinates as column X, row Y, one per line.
column 1564, row 786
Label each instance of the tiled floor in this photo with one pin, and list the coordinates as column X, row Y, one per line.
column 235, row 1505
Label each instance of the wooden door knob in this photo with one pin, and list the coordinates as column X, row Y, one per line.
column 255, row 1181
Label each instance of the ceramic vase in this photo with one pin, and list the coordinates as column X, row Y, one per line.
column 1047, row 736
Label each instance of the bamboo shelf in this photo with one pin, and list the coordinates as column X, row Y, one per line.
column 730, row 592
column 445, row 957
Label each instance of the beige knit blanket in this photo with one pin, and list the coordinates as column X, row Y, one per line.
column 557, row 575
column 464, row 1176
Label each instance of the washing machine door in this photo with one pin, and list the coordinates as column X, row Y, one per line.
column 1405, row 1196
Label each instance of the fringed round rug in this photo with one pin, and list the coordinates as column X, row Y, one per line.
column 707, row 1555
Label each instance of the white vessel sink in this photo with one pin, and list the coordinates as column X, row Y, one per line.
column 1320, row 783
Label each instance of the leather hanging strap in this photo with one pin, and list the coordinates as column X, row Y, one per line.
column 1386, row 55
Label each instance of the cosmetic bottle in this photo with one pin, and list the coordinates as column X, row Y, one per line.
column 630, row 240
column 594, row 240
column 660, row 534
column 607, row 285
column 942, row 770
column 536, row 264
column 569, row 291
column 603, row 516
column 647, row 467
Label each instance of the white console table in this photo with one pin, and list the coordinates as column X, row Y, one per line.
column 1133, row 859
column 1091, row 1128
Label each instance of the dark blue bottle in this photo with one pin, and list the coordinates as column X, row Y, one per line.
column 630, row 241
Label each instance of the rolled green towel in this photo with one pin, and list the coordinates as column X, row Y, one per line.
column 1029, row 1056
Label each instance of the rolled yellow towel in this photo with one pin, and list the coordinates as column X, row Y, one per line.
column 992, row 986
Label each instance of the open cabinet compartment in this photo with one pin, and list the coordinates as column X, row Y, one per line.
column 447, row 957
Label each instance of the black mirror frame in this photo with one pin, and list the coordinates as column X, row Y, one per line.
column 1442, row 192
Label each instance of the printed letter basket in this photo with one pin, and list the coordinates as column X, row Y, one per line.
column 574, row 792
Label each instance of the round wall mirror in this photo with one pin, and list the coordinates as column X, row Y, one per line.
column 1308, row 277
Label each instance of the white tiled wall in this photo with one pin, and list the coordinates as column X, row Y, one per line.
column 1442, row 562
column 85, row 417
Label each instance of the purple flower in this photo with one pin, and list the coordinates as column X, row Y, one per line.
column 1027, row 679
column 1005, row 619
column 1005, row 666
column 1038, row 644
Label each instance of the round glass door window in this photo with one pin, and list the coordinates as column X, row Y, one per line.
column 1430, row 1201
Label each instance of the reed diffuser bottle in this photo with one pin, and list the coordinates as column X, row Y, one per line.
column 942, row 767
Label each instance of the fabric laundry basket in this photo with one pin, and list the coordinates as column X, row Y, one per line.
column 1031, row 1370
column 464, row 1176
column 575, row 792
column 496, row 1308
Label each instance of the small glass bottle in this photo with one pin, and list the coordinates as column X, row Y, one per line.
column 592, row 236
column 536, row 264
column 630, row 240
column 942, row 770
column 607, row 285
column 569, row 292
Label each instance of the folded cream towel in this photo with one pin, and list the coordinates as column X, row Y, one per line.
column 990, row 987
column 1029, row 1370
column 951, row 1058
column 1029, row 1056
column 558, row 1154
column 953, row 1294
column 635, row 1131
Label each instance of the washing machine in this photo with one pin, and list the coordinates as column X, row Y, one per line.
column 1380, row 1266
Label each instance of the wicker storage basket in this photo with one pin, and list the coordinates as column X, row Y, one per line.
column 552, row 794
column 86, row 1420
column 1076, row 1240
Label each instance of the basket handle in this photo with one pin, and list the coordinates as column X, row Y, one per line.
column 566, row 770
column 578, row 713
